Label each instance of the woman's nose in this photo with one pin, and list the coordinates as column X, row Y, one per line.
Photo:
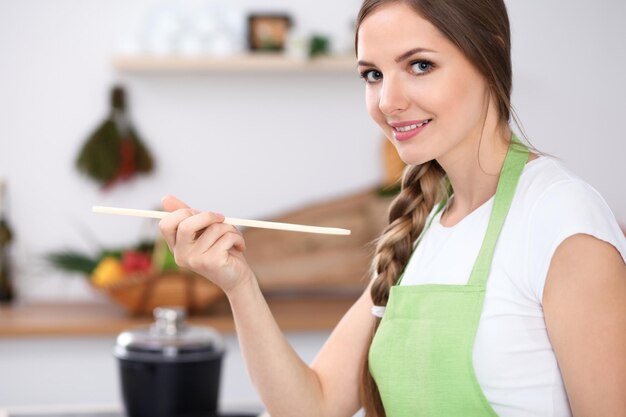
column 393, row 97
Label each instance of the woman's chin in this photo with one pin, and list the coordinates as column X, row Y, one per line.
column 411, row 158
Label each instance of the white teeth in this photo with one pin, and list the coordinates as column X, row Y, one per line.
column 406, row 128
column 411, row 127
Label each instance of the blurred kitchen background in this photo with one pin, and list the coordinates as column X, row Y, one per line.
column 251, row 134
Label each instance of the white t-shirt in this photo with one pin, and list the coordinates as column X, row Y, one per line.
column 513, row 358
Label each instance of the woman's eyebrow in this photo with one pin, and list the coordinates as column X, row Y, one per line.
column 411, row 52
column 400, row 58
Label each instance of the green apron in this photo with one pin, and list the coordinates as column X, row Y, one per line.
column 421, row 354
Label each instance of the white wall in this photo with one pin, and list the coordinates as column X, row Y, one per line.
column 256, row 145
column 569, row 86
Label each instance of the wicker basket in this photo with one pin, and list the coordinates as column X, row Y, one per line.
column 140, row 295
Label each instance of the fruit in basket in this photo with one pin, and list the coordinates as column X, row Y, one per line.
column 141, row 278
column 136, row 261
column 108, row 271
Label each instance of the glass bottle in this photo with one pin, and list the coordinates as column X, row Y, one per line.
column 6, row 235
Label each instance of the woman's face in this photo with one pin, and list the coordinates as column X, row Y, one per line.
column 420, row 89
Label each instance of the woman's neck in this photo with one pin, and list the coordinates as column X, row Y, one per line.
column 473, row 168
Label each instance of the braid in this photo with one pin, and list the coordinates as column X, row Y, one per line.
column 422, row 187
column 407, row 217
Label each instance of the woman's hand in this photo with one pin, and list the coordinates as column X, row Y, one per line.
column 201, row 242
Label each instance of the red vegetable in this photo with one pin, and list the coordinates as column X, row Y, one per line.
column 134, row 261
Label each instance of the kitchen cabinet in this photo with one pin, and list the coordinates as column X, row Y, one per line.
column 59, row 356
column 68, row 372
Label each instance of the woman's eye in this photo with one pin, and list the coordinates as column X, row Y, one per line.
column 371, row 76
column 421, row 67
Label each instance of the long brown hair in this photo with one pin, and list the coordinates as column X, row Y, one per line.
column 480, row 29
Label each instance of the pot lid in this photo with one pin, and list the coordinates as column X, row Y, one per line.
column 169, row 336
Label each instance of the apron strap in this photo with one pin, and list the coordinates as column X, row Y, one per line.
column 514, row 164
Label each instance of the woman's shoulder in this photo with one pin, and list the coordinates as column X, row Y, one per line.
column 547, row 170
column 547, row 183
column 554, row 204
column 552, row 197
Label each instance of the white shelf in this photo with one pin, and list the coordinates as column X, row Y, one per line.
column 259, row 62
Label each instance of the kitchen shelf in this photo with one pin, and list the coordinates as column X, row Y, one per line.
column 250, row 63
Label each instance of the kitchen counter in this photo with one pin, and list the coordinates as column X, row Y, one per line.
column 93, row 319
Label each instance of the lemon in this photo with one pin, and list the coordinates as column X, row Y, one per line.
column 107, row 272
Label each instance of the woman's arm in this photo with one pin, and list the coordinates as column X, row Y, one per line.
column 585, row 310
column 287, row 386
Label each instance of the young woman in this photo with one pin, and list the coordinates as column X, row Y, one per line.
column 500, row 282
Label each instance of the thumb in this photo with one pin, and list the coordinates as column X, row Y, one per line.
column 171, row 203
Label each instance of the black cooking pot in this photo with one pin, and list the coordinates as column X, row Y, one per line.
column 170, row 369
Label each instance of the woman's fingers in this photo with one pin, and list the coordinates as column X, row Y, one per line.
column 187, row 231
column 171, row 203
column 183, row 222
column 191, row 228
column 203, row 252
column 201, row 242
column 222, row 262
column 208, row 240
column 232, row 239
column 170, row 223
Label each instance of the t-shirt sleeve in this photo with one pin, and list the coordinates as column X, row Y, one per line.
column 565, row 209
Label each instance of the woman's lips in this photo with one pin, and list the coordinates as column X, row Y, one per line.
column 406, row 130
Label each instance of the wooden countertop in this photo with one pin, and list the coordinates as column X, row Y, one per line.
column 96, row 319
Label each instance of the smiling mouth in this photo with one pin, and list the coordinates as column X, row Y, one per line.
column 412, row 127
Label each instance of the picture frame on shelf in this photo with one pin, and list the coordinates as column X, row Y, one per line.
column 268, row 32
